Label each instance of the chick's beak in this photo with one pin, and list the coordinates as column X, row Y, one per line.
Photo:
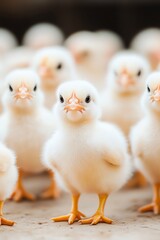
column 23, row 93
column 156, row 95
column 45, row 72
column 125, row 80
column 74, row 104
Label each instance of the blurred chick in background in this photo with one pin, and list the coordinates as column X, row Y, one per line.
column 8, row 179
column 7, row 41
column 25, row 126
column 89, row 156
column 147, row 42
column 19, row 57
column 92, row 52
column 121, row 99
column 54, row 65
column 145, row 140
column 43, row 35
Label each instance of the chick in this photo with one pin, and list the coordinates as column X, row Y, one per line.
column 147, row 42
column 92, row 52
column 20, row 57
column 25, row 125
column 145, row 140
column 8, row 178
column 121, row 99
column 125, row 84
column 7, row 41
column 89, row 156
column 43, row 35
column 54, row 65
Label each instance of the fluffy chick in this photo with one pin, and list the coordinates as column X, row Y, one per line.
column 7, row 41
column 43, row 35
column 20, row 57
column 147, row 42
column 25, row 124
column 89, row 156
column 145, row 140
column 8, row 179
column 54, row 65
column 125, row 83
column 92, row 52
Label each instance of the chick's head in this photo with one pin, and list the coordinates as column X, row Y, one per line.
column 151, row 97
column 77, row 102
column 22, row 90
column 54, row 66
column 128, row 72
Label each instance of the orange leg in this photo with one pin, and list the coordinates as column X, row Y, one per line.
column 138, row 180
column 4, row 221
column 99, row 215
column 74, row 214
column 20, row 192
column 155, row 205
column 52, row 191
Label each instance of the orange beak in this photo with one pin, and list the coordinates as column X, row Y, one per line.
column 45, row 72
column 23, row 93
column 156, row 96
column 74, row 104
column 125, row 80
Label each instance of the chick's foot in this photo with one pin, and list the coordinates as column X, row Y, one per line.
column 71, row 217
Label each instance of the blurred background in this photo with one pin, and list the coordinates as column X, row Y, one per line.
column 126, row 17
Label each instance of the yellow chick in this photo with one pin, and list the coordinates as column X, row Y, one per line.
column 89, row 156
column 145, row 140
column 8, row 179
column 54, row 65
column 43, row 35
column 25, row 125
column 147, row 42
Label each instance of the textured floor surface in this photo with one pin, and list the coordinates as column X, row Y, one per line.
column 33, row 218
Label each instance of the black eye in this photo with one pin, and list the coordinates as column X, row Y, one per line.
column 10, row 88
column 59, row 66
column 148, row 89
column 139, row 73
column 61, row 99
column 35, row 88
column 88, row 99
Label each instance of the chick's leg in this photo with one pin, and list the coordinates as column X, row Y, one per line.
column 20, row 192
column 4, row 221
column 52, row 191
column 74, row 214
column 99, row 215
column 155, row 205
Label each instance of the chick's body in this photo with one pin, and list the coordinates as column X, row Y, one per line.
column 89, row 156
column 26, row 134
column 147, row 158
column 8, row 179
column 85, row 148
column 8, row 172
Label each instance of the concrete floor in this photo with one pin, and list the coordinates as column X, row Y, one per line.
column 33, row 218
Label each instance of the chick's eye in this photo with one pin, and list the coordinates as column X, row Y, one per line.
column 88, row 99
column 148, row 89
column 61, row 99
column 10, row 88
column 139, row 73
column 35, row 88
column 59, row 66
